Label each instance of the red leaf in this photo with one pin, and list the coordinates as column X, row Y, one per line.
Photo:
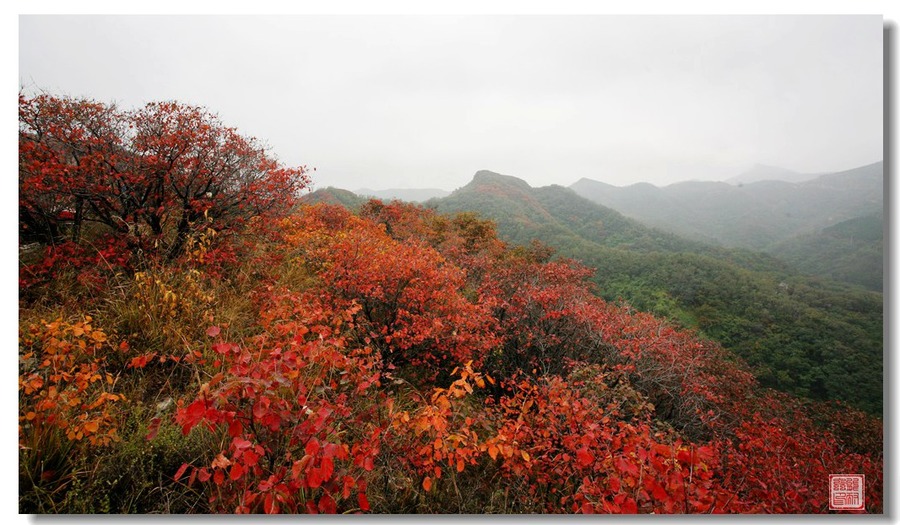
column 363, row 502
column 627, row 467
column 584, row 456
column 250, row 458
column 326, row 468
column 348, row 486
column 270, row 506
column 312, row 447
column 236, row 471
column 213, row 331
column 195, row 412
column 180, row 471
column 153, row 429
column 141, row 360
column 327, row 504
column 314, row 478
column 240, row 443
column 660, row 493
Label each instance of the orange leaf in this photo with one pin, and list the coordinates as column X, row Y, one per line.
column 221, row 461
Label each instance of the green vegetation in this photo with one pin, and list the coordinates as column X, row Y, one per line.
column 851, row 251
column 332, row 195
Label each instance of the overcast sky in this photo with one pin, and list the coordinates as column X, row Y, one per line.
column 393, row 102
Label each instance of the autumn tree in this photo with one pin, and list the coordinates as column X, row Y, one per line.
column 157, row 173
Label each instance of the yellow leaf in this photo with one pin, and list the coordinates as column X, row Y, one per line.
column 526, row 456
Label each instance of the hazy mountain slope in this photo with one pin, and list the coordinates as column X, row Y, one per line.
column 403, row 194
column 761, row 172
column 801, row 335
column 756, row 215
column 850, row 251
column 522, row 211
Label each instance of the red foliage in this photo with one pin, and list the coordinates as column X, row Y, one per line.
column 280, row 405
column 599, row 409
column 164, row 168
column 91, row 265
column 411, row 301
column 595, row 408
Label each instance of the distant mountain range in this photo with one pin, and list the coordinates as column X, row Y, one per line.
column 756, row 215
column 403, row 194
column 760, row 210
column 761, row 172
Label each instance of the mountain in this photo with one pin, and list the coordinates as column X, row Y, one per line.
column 332, row 195
column 851, row 251
column 403, row 194
column 756, row 215
column 813, row 337
column 761, row 172
column 558, row 213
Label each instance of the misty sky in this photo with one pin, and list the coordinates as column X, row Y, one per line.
column 382, row 102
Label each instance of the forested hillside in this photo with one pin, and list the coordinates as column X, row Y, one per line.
column 851, row 251
column 194, row 339
column 800, row 335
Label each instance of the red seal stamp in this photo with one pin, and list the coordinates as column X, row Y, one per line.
column 847, row 491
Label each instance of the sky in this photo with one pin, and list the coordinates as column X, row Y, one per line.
column 426, row 101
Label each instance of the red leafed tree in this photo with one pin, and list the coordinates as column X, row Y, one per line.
column 159, row 171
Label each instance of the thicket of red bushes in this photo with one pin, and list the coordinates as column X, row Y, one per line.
column 393, row 360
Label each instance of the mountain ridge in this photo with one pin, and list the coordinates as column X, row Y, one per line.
column 403, row 194
column 756, row 215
